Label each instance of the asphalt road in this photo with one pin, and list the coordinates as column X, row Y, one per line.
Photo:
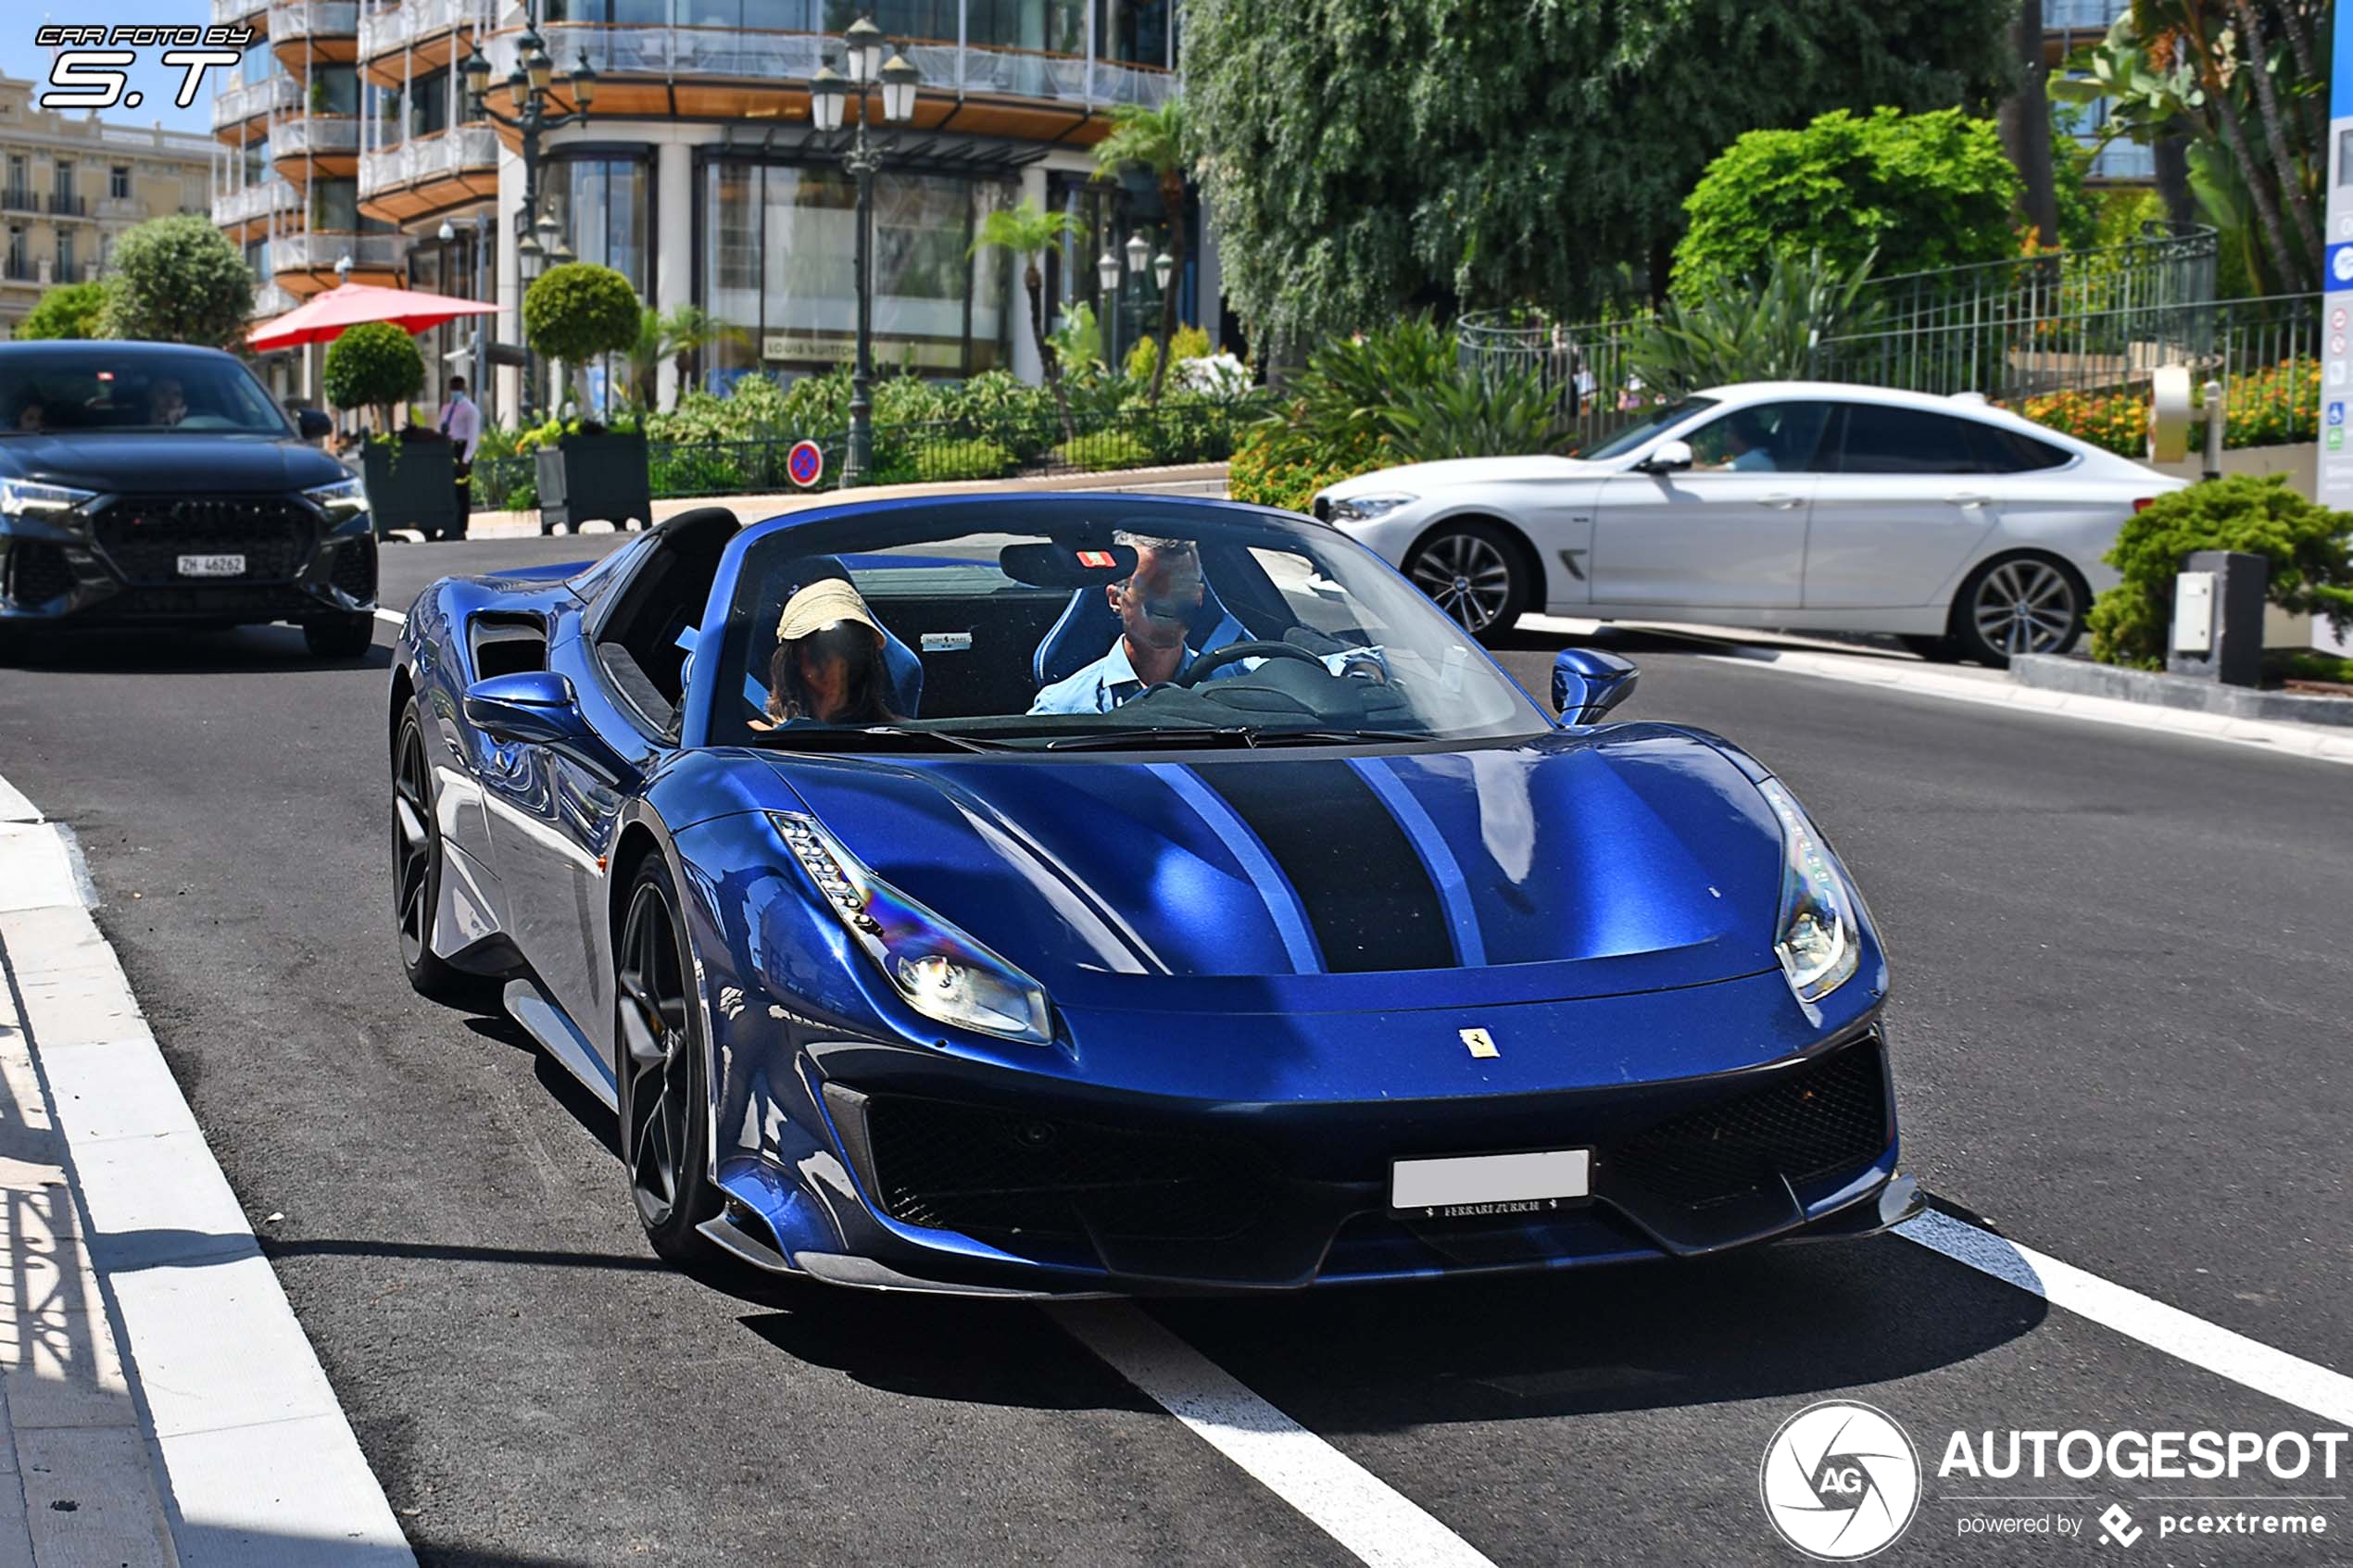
column 2119, row 1032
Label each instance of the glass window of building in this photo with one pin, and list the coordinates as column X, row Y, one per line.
column 66, row 273
column 335, row 90
column 1054, row 27
column 601, row 204
column 259, row 64
column 429, row 105
column 779, row 269
column 1134, row 31
column 20, row 178
column 254, row 157
column 119, row 182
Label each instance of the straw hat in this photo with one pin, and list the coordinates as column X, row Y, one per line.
column 820, row 605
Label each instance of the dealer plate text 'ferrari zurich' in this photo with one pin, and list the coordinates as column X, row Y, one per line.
column 1069, row 893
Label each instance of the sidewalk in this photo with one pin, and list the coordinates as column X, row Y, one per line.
column 1197, row 479
column 159, row 1403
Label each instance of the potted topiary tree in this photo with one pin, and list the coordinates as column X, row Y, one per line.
column 410, row 478
column 575, row 313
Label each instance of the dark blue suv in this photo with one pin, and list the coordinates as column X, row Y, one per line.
column 147, row 483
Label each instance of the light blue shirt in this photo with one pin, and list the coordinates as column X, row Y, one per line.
column 1112, row 680
column 1756, row 459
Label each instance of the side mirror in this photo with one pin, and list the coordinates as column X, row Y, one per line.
column 1667, row 456
column 1587, row 684
column 532, row 707
column 313, row 423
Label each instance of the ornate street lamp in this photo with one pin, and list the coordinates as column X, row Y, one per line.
column 1140, row 251
column 864, row 51
column 1107, row 273
column 1162, row 266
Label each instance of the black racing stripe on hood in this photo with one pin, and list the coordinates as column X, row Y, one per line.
column 1367, row 893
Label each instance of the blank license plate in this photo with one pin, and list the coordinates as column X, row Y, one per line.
column 212, row 566
column 1491, row 1183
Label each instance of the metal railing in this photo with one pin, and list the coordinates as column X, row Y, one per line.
column 270, row 195
column 318, row 250
column 313, row 19
column 748, row 54
column 236, row 105
column 971, row 447
column 226, row 12
column 2079, row 16
column 17, row 198
column 2008, row 330
column 428, row 158
column 394, row 27
column 315, row 136
column 67, row 204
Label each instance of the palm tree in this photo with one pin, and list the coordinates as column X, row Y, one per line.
column 1158, row 142
column 1029, row 232
column 675, row 336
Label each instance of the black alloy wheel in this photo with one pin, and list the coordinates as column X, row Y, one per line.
column 1472, row 571
column 665, row 1113
column 416, row 879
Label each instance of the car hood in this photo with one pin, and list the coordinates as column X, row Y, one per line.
column 1421, row 478
column 1638, row 857
column 213, row 463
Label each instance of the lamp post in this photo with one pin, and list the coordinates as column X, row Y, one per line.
column 863, row 49
column 531, row 91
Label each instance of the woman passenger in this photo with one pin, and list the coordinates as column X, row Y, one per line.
column 828, row 664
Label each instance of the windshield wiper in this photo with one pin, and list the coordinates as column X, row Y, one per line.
column 1156, row 735
column 1333, row 738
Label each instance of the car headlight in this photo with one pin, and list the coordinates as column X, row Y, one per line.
column 1364, row 508
column 936, row 969
column 1818, row 937
column 27, row 497
column 344, row 498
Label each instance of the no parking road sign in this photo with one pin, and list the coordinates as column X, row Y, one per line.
column 805, row 463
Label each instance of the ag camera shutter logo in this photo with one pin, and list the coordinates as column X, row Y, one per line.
column 1840, row 1480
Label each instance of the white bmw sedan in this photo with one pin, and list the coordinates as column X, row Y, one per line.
column 1960, row 528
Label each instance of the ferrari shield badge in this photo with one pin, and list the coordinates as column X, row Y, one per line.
column 1480, row 1043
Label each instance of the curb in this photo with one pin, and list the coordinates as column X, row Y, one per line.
column 2053, row 672
column 244, row 1449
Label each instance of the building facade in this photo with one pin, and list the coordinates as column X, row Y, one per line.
column 698, row 174
column 70, row 184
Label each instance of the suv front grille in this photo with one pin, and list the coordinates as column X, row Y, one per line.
column 146, row 537
column 1828, row 1116
column 354, row 570
column 972, row 1169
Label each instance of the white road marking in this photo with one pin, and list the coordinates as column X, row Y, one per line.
column 2289, row 1379
column 392, row 617
column 1335, row 1494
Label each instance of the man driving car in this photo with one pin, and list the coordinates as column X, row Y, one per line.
column 1157, row 605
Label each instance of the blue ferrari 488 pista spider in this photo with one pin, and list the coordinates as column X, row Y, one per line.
column 1055, row 894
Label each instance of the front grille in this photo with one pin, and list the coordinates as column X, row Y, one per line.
column 227, row 602
column 1826, row 1117
column 38, row 572
column 354, row 570
column 971, row 1168
column 146, row 537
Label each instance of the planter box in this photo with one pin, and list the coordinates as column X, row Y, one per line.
column 594, row 478
column 412, row 483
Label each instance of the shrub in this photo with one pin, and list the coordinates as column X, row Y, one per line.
column 373, row 365
column 1924, row 191
column 2277, row 406
column 2117, row 421
column 1766, row 328
column 1104, row 450
column 580, row 310
column 1192, row 344
column 1258, row 477
column 69, row 310
column 179, row 280
column 1469, row 416
column 694, row 471
column 974, row 459
column 2310, row 549
column 1078, row 341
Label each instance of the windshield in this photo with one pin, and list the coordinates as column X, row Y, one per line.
column 94, row 387
column 1054, row 624
column 1633, row 435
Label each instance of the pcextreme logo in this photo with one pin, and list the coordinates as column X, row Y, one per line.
column 1840, row 1480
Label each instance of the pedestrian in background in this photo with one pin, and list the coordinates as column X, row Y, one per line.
column 460, row 420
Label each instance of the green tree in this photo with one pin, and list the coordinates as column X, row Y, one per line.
column 178, row 280
column 1924, row 191
column 373, row 366
column 67, row 310
column 580, row 311
column 675, row 336
column 1159, row 142
column 1027, row 232
column 1362, row 155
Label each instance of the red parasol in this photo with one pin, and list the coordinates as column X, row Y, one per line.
column 327, row 317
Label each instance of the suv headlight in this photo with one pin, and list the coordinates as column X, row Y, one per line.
column 1818, row 936
column 1364, row 508
column 935, row 968
column 344, row 498
column 27, row 497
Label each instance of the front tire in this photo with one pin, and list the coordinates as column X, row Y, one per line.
column 417, row 866
column 665, row 1108
column 1475, row 571
column 341, row 636
column 2019, row 604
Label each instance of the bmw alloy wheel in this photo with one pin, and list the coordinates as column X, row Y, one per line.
column 1468, row 576
column 2025, row 607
